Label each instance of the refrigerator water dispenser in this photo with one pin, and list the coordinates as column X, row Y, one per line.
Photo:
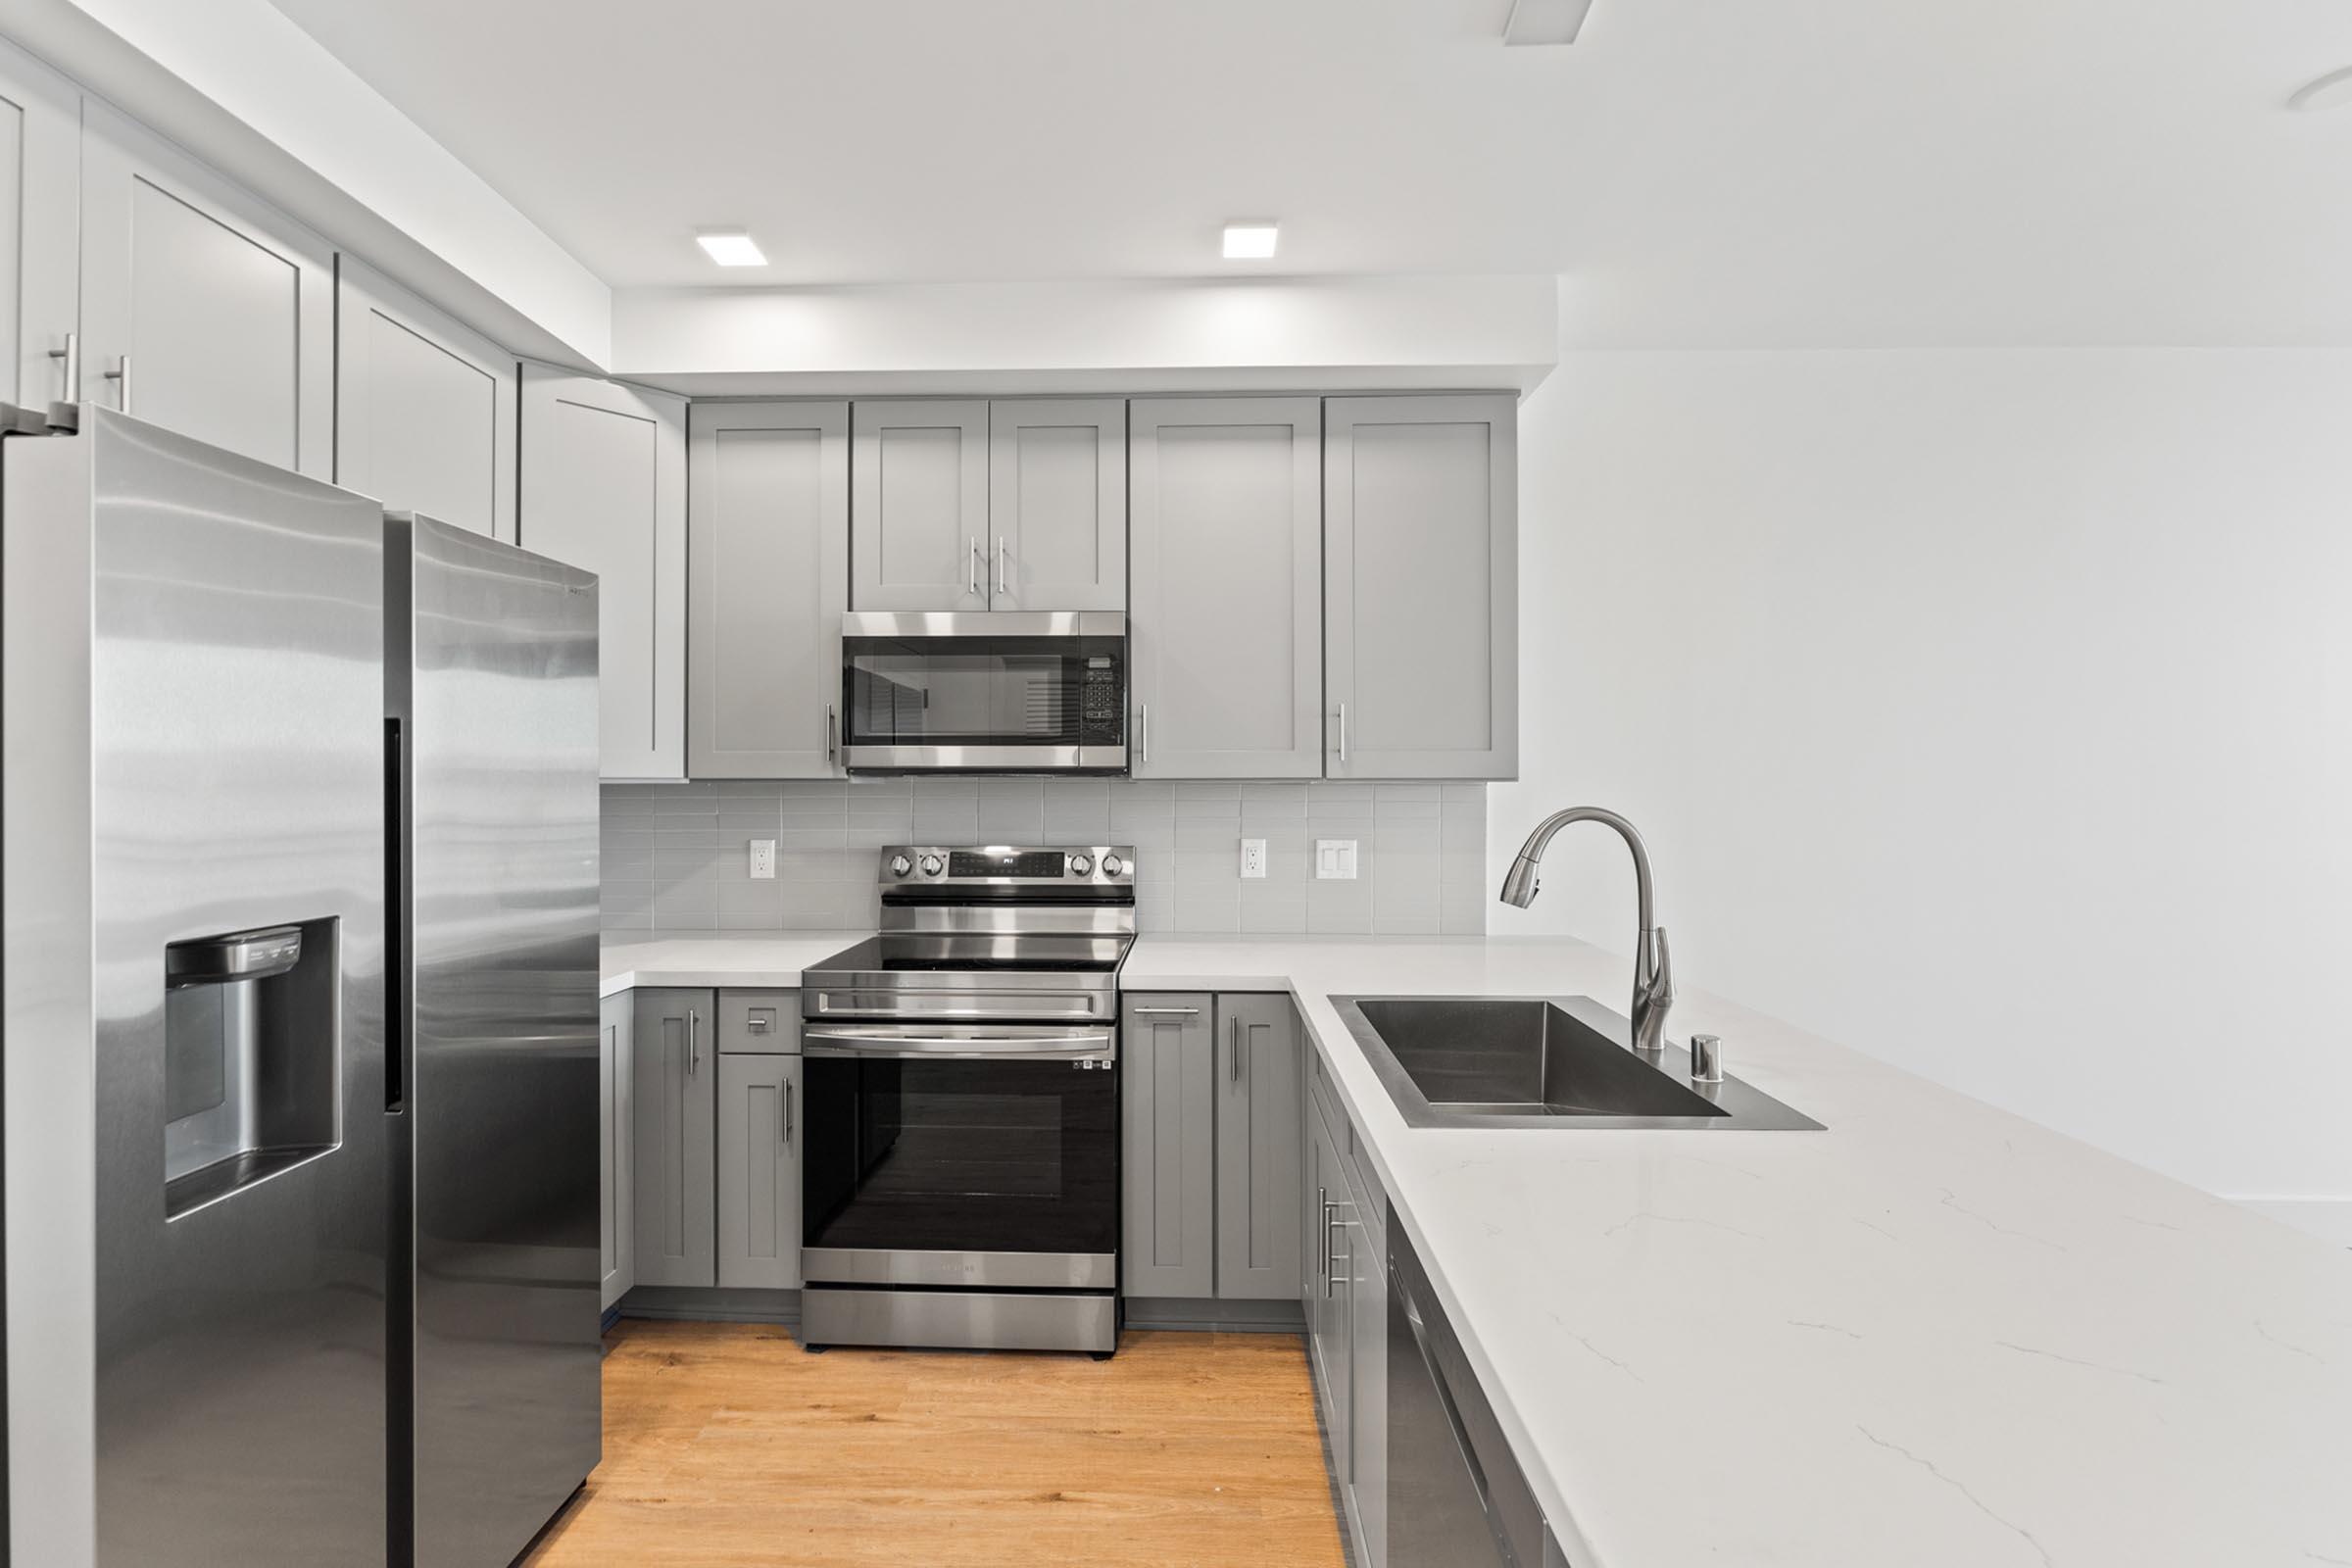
column 250, row 1045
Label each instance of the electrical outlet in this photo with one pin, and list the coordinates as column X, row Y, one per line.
column 1254, row 857
column 1335, row 859
column 763, row 860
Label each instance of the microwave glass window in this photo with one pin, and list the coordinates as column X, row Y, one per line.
column 985, row 691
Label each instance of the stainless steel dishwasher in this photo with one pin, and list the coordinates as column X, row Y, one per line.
column 1456, row 1496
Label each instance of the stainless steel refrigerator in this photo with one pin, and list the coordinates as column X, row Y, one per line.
column 298, row 1077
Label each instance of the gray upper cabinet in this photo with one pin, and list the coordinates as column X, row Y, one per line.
column 40, row 198
column 674, row 1084
column 760, row 1171
column 1168, row 1146
column 1421, row 584
column 604, row 488
column 615, row 1136
column 424, row 410
column 768, row 522
column 1225, row 633
column 1058, row 503
column 202, row 307
column 918, row 508
column 1259, row 1130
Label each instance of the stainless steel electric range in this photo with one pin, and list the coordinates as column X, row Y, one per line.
column 961, row 1161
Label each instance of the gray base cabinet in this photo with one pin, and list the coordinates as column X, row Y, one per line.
column 674, row 1079
column 617, row 1138
column 1257, row 1077
column 1168, row 1146
column 1210, row 1150
column 758, row 1172
column 1421, row 586
column 1345, row 1296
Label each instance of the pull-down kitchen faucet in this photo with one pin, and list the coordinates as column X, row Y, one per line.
column 1653, row 972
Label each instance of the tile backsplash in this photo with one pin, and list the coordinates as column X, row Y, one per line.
column 676, row 855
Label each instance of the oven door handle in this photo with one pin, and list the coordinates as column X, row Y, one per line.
column 1096, row 1044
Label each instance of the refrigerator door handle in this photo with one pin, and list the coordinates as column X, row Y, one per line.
column 396, row 918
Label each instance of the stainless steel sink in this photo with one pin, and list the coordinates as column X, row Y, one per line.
column 1543, row 1061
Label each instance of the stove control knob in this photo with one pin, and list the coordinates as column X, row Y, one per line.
column 932, row 865
column 900, row 865
column 1080, row 866
column 1113, row 865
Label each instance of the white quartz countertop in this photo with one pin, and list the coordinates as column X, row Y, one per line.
column 772, row 959
column 1935, row 1333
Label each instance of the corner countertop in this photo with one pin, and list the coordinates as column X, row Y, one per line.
column 1935, row 1334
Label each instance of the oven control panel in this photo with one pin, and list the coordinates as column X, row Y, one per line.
column 908, row 866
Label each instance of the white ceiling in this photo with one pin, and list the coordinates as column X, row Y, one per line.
column 1714, row 171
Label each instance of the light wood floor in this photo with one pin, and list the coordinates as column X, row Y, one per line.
column 728, row 1445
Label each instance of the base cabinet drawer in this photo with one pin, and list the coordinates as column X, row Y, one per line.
column 760, row 1022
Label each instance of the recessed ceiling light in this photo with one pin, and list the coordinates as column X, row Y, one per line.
column 2332, row 92
column 731, row 250
column 1249, row 242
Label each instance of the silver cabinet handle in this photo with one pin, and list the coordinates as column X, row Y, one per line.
column 72, row 355
column 787, row 1113
column 760, row 1020
column 694, row 1043
column 1167, row 1012
column 1234, row 1030
column 1343, row 734
column 1143, row 732
column 1331, row 1271
column 971, row 566
column 1000, row 577
column 832, row 749
column 121, row 375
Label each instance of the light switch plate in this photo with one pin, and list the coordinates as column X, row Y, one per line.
column 763, row 860
column 1335, row 859
column 1254, row 857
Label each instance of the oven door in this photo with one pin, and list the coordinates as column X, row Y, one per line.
column 960, row 1154
column 982, row 692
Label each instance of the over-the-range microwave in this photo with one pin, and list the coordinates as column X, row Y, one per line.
column 984, row 692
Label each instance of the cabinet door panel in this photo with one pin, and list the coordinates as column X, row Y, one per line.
column 769, row 523
column 1058, row 503
column 425, row 410
column 616, row 1134
column 1421, row 585
column 1259, row 1124
column 1226, row 629
column 918, row 510
column 675, row 1115
column 222, row 307
column 604, row 488
column 760, row 1171
column 1168, row 1146
column 40, row 200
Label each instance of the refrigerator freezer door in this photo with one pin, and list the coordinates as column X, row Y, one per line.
column 500, row 729
column 235, row 658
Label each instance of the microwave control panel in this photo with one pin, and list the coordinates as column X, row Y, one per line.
column 1102, row 701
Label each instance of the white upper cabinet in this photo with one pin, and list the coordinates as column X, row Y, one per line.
column 604, row 488
column 1226, row 637
column 1421, row 586
column 918, row 510
column 1058, row 503
column 769, row 532
column 424, row 412
column 203, row 308
column 40, row 170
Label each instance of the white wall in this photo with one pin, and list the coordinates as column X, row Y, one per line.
column 1990, row 711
